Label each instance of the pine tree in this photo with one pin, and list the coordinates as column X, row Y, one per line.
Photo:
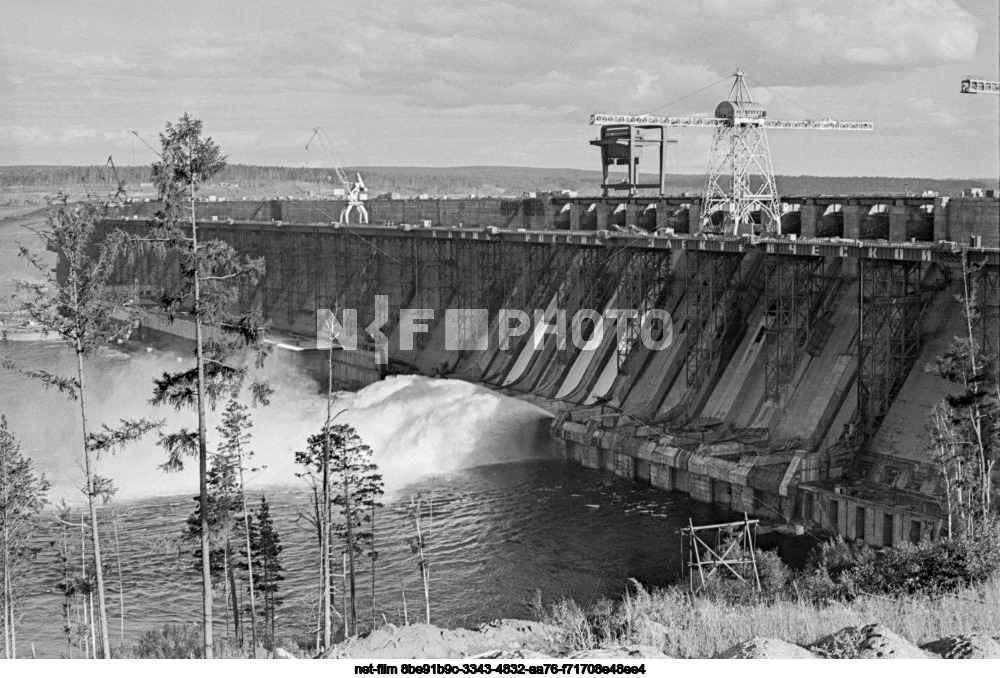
column 22, row 497
column 235, row 431
column 357, row 486
column 211, row 273
column 222, row 523
column 77, row 304
column 265, row 544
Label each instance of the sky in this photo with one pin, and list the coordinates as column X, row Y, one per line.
column 466, row 82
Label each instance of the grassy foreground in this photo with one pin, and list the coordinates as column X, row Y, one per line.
column 685, row 626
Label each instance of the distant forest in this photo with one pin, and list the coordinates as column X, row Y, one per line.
column 459, row 181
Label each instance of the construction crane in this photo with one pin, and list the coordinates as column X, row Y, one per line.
column 974, row 85
column 739, row 152
column 355, row 190
column 120, row 192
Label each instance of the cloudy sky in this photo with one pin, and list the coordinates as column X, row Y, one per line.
column 468, row 82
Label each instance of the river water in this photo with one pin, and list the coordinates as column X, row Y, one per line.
column 509, row 523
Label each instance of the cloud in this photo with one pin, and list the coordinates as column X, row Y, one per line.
column 438, row 80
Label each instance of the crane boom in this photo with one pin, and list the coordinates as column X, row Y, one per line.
column 608, row 119
column 740, row 192
column 341, row 176
column 973, row 85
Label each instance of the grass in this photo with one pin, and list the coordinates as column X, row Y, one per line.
column 184, row 641
column 682, row 626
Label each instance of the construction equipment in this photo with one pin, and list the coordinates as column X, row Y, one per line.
column 120, row 192
column 623, row 145
column 975, row 85
column 355, row 197
column 748, row 201
column 355, row 191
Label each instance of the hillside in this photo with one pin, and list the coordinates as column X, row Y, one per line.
column 451, row 181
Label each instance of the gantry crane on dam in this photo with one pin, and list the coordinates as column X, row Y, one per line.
column 740, row 188
column 354, row 190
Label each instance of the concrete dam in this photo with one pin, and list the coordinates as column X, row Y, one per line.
column 793, row 383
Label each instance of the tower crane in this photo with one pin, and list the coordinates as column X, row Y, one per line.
column 739, row 152
column 355, row 190
column 974, row 85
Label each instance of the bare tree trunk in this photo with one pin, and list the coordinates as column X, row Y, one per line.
column 95, row 535
column 93, row 626
column 975, row 415
column 121, row 586
column 206, row 568
column 66, row 606
column 253, row 593
column 237, row 622
column 343, row 572
column 373, row 562
column 83, row 576
column 406, row 616
column 325, row 523
column 8, row 616
column 424, row 571
column 350, row 547
column 8, row 606
column 225, row 594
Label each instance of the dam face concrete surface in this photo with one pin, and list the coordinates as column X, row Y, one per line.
column 788, row 381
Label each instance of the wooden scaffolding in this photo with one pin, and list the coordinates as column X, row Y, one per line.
column 708, row 548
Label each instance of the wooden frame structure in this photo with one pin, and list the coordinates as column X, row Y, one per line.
column 707, row 548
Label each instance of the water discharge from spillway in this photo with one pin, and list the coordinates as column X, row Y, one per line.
column 415, row 425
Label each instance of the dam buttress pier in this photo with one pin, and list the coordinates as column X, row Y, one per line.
column 793, row 381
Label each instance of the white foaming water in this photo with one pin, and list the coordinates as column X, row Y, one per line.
column 418, row 426
column 415, row 425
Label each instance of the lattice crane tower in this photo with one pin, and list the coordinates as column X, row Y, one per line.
column 740, row 188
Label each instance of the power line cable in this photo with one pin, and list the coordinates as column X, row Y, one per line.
column 687, row 96
column 764, row 87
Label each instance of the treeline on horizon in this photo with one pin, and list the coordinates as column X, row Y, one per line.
column 456, row 181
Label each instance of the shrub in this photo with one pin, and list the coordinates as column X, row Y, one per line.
column 930, row 567
column 774, row 574
column 173, row 641
column 817, row 586
column 838, row 556
column 184, row 641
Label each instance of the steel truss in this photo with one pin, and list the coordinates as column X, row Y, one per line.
column 740, row 153
column 588, row 284
column 532, row 276
column 437, row 280
column 713, row 303
column 541, row 272
column 889, row 308
column 282, row 274
column 398, row 280
column 792, row 285
column 484, row 279
column 986, row 325
column 644, row 282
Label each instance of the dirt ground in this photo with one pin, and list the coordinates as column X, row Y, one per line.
column 422, row 640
